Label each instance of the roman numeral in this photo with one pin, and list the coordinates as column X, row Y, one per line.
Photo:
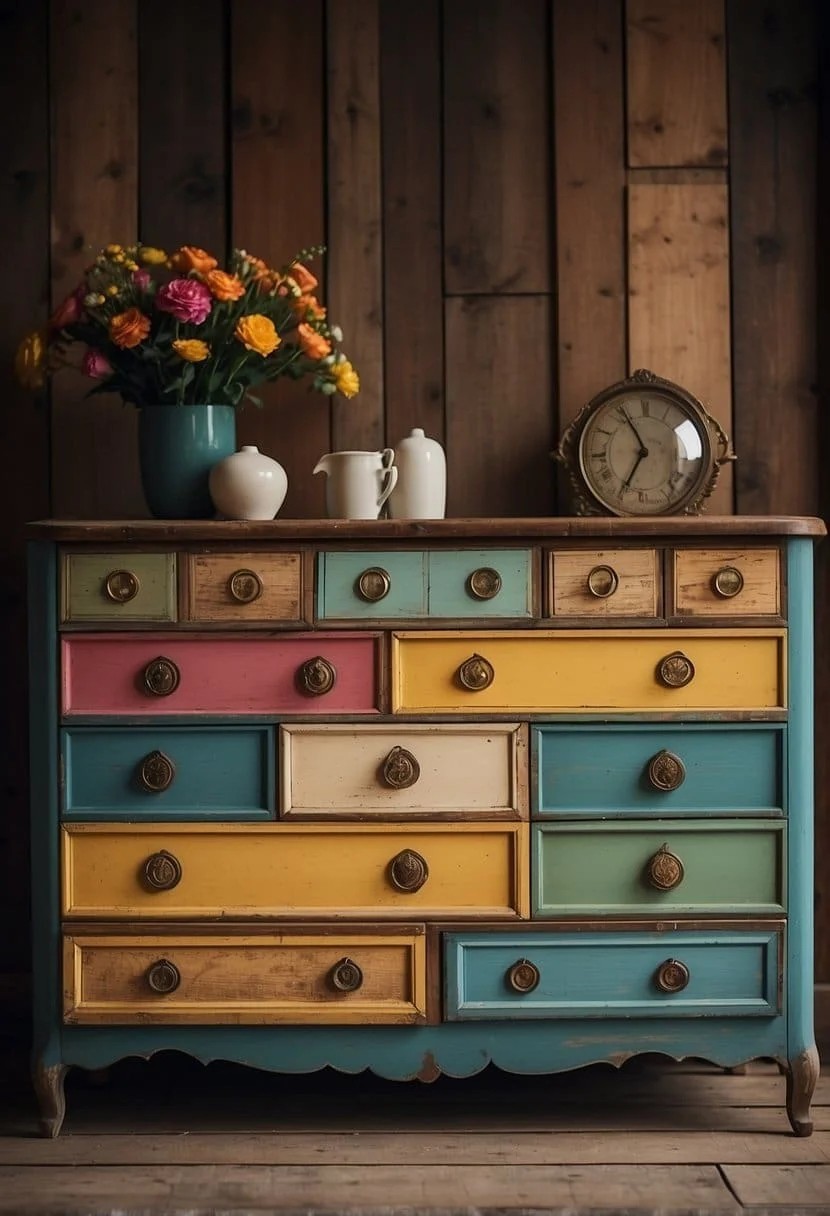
column 645, row 408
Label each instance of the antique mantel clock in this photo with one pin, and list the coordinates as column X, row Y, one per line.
column 643, row 446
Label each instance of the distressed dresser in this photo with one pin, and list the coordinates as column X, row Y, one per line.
column 416, row 797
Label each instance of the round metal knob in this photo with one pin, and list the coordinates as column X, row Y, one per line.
column 346, row 976
column 666, row 771
column 727, row 582
column 245, row 586
column 400, row 769
column 163, row 976
column 156, row 772
column 675, row 670
column 161, row 677
column 408, row 871
column 317, row 676
column 603, row 581
column 162, row 871
column 373, row 584
column 121, row 586
column 484, row 583
column 523, row 976
column 476, row 673
column 672, row 976
column 665, row 870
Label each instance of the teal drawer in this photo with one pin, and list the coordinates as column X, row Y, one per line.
column 344, row 580
column 675, row 866
column 459, row 580
column 623, row 770
column 204, row 772
column 694, row 973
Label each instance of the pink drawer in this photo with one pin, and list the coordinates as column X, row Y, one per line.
column 170, row 674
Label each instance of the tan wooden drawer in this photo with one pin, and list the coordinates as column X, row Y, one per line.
column 603, row 583
column 726, row 582
column 254, row 587
column 350, row 975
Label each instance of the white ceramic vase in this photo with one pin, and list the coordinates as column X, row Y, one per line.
column 248, row 485
column 421, row 490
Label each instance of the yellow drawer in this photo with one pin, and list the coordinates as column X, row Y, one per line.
column 726, row 582
column 604, row 583
column 545, row 671
column 353, row 975
column 335, row 871
column 254, row 587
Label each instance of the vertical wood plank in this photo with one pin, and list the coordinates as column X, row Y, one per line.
column 94, row 78
column 497, row 152
column 676, row 56
column 412, row 261
column 355, row 219
column 278, row 204
column 679, row 297
column 499, row 414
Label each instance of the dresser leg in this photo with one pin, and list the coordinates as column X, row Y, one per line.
column 802, row 1076
column 48, row 1082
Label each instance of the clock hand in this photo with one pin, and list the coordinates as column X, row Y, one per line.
column 643, row 448
column 642, row 452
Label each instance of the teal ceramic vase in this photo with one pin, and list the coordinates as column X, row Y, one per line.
column 178, row 445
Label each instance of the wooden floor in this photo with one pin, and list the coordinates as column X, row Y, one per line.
column 172, row 1136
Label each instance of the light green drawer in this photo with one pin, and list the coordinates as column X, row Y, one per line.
column 118, row 586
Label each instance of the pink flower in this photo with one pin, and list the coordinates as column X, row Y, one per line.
column 142, row 279
column 95, row 365
column 187, row 300
column 67, row 311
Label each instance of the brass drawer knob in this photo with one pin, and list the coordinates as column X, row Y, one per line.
column 675, row 670
column 156, row 773
column 162, row 871
column 665, row 870
column 163, row 977
column 346, row 976
column 317, row 676
column 476, row 673
column 603, row 581
column 408, row 871
column 121, row 586
column 727, row 582
column 672, row 976
column 373, row 584
column 245, row 586
column 484, row 583
column 400, row 769
column 161, row 677
column 523, row 976
column 666, row 771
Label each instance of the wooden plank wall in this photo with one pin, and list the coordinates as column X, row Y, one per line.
column 522, row 204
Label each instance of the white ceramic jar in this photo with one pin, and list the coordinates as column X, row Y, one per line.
column 421, row 491
column 248, row 485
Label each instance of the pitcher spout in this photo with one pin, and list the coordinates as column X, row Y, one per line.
column 322, row 465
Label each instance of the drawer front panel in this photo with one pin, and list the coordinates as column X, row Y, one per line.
column 546, row 671
column 244, row 587
column 170, row 772
column 481, row 583
column 604, row 583
column 601, row 975
column 108, row 673
column 296, row 870
column 115, row 586
column 632, row 770
column 344, row 580
column 423, row 771
column 612, row 868
column 345, row 977
column 727, row 582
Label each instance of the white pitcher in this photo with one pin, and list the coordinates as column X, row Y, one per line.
column 358, row 484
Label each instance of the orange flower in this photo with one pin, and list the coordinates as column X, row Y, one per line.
column 257, row 333
column 223, row 286
column 305, row 306
column 313, row 344
column 303, row 277
column 129, row 328
column 191, row 257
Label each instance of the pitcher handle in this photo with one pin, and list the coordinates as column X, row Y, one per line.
column 389, row 481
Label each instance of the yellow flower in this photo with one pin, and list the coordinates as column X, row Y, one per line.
column 150, row 256
column 112, row 290
column 257, row 333
column 346, row 379
column 113, row 249
column 29, row 360
column 192, row 350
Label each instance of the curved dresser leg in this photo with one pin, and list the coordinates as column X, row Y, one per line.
column 48, row 1082
column 802, row 1076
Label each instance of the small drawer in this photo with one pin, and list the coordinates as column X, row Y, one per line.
column 726, row 582
column 688, row 866
column 347, row 976
column 118, row 586
column 371, row 585
column 253, row 587
column 706, row 973
column 467, row 583
column 168, row 772
column 604, row 583
column 335, row 771
column 626, row 770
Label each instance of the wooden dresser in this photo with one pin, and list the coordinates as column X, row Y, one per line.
column 417, row 797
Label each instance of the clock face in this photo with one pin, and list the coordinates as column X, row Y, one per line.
column 643, row 452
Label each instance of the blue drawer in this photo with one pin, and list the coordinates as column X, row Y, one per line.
column 600, row 975
column 606, row 771
column 453, row 582
column 205, row 772
column 339, row 577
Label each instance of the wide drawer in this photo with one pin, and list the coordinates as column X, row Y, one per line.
column 544, row 671
column 597, row 868
column 706, row 973
column 168, row 772
column 118, row 586
column 295, row 870
column 168, row 674
column 604, row 583
column 403, row 771
column 256, row 588
column 347, row 976
column 615, row 770
column 726, row 582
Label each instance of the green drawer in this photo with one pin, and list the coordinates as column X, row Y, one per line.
column 118, row 586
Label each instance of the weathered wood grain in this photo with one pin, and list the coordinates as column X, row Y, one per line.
column 779, row 1184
